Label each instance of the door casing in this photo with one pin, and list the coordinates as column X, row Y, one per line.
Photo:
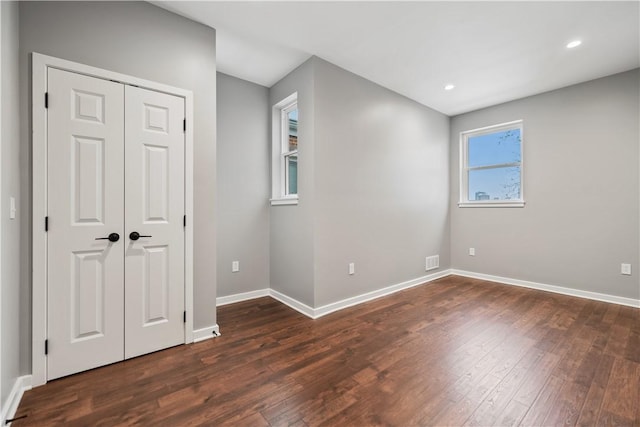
column 40, row 65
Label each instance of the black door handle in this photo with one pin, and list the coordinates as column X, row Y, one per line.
column 113, row 237
column 135, row 235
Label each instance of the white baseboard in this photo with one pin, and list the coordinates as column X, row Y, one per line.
column 315, row 313
column 230, row 299
column 206, row 333
column 286, row 300
column 359, row 299
column 293, row 303
column 10, row 407
column 550, row 288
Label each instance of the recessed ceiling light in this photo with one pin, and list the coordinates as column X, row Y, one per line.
column 573, row 44
column 449, row 87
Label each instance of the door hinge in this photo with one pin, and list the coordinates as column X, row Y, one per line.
column 184, row 221
column 46, row 223
column 46, row 347
column 184, row 316
column 46, row 100
column 184, row 125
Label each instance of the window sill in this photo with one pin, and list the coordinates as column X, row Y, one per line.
column 500, row 204
column 284, row 201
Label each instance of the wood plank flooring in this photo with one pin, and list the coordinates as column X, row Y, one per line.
column 456, row 351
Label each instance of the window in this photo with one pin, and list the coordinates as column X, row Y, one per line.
column 491, row 166
column 284, row 171
column 290, row 149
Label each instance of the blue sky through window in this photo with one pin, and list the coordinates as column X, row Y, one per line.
column 494, row 184
column 500, row 183
column 494, row 148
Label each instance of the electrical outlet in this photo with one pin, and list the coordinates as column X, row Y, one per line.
column 235, row 266
column 625, row 269
column 472, row 251
column 352, row 268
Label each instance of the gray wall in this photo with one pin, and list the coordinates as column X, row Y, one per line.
column 381, row 185
column 291, row 227
column 373, row 188
column 141, row 40
column 244, row 155
column 580, row 185
column 10, row 279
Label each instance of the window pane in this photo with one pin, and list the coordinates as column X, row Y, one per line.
column 292, row 173
column 292, row 118
column 495, row 148
column 494, row 184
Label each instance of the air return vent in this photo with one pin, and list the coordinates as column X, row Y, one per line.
column 432, row 262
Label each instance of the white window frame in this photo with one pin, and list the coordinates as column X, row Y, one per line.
column 280, row 151
column 464, row 167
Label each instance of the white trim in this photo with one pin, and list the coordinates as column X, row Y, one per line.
column 492, row 128
column 39, row 212
column 189, row 212
column 260, row 293
column 499, row 204
column 2, row 195
column 206, row 333
column 10, row 407
column 315, row 313
column 87, row 70
column 298, row 306
column 39, row 161
column 359, row 299
column 550, row 288
column 245, row 296
column 284, row 201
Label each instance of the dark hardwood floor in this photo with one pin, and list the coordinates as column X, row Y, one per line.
column 456, row 351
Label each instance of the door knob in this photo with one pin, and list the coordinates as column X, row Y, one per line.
column 113, row 237
column 135, row 235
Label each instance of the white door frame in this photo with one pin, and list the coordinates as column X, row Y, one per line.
column 40, row 64
column 2, row 196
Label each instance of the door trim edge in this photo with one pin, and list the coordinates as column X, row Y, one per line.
column 39, row 66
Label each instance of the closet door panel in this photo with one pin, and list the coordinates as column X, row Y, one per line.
column 154, row 204
column 85, row 290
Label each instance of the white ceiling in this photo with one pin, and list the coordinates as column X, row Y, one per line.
column 492, row 51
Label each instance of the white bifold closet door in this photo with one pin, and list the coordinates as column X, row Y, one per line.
column 85, row 294
column 115, row 200
column 154, row 203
